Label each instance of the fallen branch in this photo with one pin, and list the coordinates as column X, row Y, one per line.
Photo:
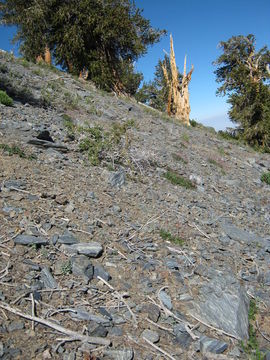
column 158, row 349
column 264, row 336
column 73, row 334
column 120, row 298
column 214, row 328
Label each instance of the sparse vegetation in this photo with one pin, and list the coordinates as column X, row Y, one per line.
column 177, row 179
column 166, row 235
column 66, row 268
column 251, row 347
column 185, row 137
column 98, row 143
column 16, row 150
column 5, row 99
column 266, row 177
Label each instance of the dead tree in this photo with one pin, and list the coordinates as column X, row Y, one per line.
column 45, row 58
column 178, row 97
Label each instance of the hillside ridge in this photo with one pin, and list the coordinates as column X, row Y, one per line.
column 145, row 238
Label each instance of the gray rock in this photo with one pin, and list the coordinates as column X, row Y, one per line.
column 85, row 315
column 81, row 266
column 15, row 325
column 47, row 279
column 100, row 271
column 69, row 356
column 67, row 238
column 117, row 179
column 1, row 349
column 165, row 299
column 18, row 184
column 182, row 336
column 223, row 303
column 125, row 354
column 266, row 278
column 91, row 249
column 243, row 236
column 97, row 330
column 212, row 345
column 30, row 240
column 116, row 331
column 152, row 311
column 150, row 335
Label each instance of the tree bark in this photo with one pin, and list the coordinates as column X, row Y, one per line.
column 178, row 98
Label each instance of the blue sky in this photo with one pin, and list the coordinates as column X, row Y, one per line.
column 197, row 27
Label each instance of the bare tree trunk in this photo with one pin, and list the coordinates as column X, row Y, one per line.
column 46, row 57
column 178, row 98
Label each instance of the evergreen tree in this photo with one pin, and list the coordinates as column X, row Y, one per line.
column 104, row 36
column 244, row 76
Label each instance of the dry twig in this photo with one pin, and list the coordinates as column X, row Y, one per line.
column 72, row 334
column 158, row 349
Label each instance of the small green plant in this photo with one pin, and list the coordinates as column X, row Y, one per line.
column 193, row 123
column 173, row 239
column 177, row 179
column 251, row 347
column 221, row 150
column 13, row 150
column 266, row 177
column 185, row 137
column 68, row 122
column 66, row 268
column 5, row 99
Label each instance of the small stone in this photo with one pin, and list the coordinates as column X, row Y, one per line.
column 97, row 330
column 182, row 336
column 150, row 335
column 81, row 266
column 30, row 240
column 45, row 135
column 212, row 345
column 117, row 179
column 69, row 208
column 85, row 315
column 91, row 249
column 165, row 299
column 101, row 272
column 67, row 238
column 47, row 279
column 116, row 331
column 152, row 311
column 15, row 325
column 125, row 354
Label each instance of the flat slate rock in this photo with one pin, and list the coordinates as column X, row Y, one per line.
column 165, row 299
column 47, row 144
column 47, row 279
column 91, row 249
column 223, row 303
column 212, row 345
column 117, row 179
column 30, row 240
column 242, row 236
column 125, row 354
column 67, row 238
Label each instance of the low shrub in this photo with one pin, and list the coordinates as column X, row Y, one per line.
column 5, row 99
column 177, row 179
column 266, row 177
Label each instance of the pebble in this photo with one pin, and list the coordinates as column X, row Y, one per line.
column 150, row 335
column 30, row 240
column 212, row 345
column 165, row 299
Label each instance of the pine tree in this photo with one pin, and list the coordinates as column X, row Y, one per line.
column 244, row 76
column 105, row 37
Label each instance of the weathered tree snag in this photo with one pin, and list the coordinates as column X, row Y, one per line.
column 178, row 98
column 46, row 57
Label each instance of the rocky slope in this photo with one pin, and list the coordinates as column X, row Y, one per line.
column 126, row 235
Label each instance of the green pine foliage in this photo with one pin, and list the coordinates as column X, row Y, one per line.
column 243, row 75
column 5, row 99
column 105, row 37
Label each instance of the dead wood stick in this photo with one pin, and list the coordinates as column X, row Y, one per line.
column 214, row 328
column 120, row 298
column 33, row 309
column 73, row 334
column 158, row 349
column 159, row 326
column 203, row 233
column 264, row 336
